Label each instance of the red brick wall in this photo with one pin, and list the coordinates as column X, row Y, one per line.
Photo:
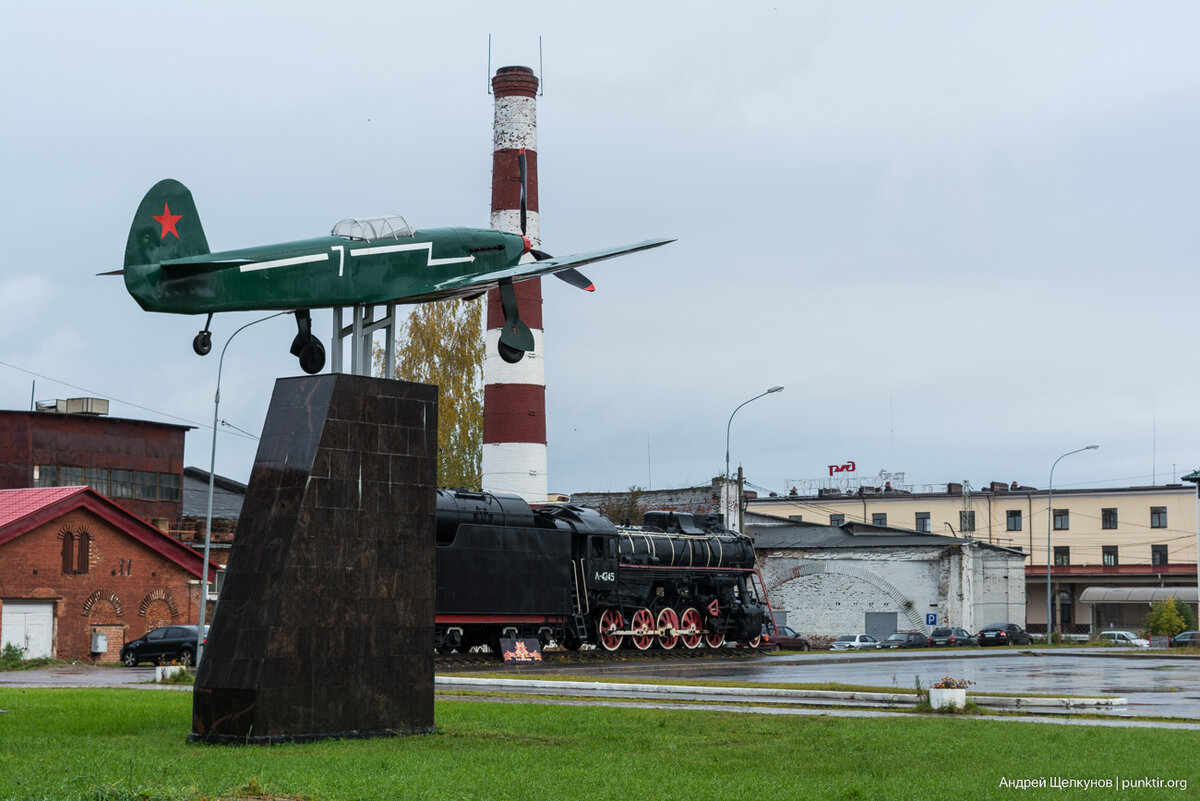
column 128, row 589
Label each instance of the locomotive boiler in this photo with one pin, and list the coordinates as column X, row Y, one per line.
column 566, row 573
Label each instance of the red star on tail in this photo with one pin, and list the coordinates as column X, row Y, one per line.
column 167, row 220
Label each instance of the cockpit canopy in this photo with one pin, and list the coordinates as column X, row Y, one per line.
column 366, row 229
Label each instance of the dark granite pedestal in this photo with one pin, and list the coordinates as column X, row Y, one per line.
column 325, row 624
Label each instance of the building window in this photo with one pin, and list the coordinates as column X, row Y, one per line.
column 76, row 552
column 1062, row 520
column 83, row 543
column 1014, row 519
column 68, row 552
column 1109, row 555
column 1158, row 517
column 879, row 519
column 923, row 521
column 1108, row 518
column 1158, row 554
column 168, row 487
column 966, row 521
column 120, row 483
column 837, row 520
column 45, row 475
column 145, row 486
column 1062, row 556
column 97, row 479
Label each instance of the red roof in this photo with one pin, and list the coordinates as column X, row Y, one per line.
column 23, row 510
column 18, row 503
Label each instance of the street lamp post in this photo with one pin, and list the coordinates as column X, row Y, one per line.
column 776, row 388
column 1194, row 478
column 212, row 470
column 1050, row 530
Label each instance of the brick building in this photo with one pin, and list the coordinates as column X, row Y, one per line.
column 137, row 464
column 629, row 506
column 74, row 564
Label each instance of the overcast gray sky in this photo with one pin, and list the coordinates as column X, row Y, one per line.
column 962, row 235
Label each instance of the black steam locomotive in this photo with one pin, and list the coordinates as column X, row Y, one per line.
column 567, row 574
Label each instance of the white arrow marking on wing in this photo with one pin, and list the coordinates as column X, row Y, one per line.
column 268, row 265
column 426, row 246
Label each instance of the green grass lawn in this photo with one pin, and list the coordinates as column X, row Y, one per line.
column 129, row 744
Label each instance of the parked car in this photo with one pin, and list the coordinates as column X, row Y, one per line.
column 163, row 645
column 1186, row 639
column 1127, row 638
column 854, row 642
column 951, row 635
column 1003, row 634
column 786, row 637
column 906, row 639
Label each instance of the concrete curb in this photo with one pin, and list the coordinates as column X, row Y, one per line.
column 751, row 694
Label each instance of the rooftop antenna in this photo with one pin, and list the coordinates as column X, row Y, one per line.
column 541, row 79
column 649, row 466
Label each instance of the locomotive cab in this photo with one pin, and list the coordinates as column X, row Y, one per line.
column 600, row 559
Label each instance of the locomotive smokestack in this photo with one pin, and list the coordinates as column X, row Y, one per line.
column 514, row 395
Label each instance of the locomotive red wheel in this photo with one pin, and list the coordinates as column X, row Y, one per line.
column 668, row 623
column 611, row 621
column 690, row 626
column 643, row 629
column 754, row 642
column 714, row 639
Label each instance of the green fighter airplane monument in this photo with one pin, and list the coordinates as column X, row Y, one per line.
column 363, row 262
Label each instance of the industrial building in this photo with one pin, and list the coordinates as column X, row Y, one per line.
column 1114, row 537
column 858, row 577
column 137, row 464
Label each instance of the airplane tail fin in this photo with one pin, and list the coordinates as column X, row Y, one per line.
column 166, row 226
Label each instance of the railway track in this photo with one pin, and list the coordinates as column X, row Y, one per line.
column 598, row 656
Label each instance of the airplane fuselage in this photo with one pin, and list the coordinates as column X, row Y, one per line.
column 325, row 271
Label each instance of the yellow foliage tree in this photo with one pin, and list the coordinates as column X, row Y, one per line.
column 442, row 343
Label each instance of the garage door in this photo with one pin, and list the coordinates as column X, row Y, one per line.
column 29, row 625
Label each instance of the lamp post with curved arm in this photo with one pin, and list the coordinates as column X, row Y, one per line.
column 1050, row 530
column 776, row 388
column 212, row 470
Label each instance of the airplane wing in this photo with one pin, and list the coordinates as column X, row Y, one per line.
column 534, row 269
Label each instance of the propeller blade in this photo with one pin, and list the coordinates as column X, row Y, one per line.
column 113, row 272
column 570, row 275
column 524, row 185
column 576, row 279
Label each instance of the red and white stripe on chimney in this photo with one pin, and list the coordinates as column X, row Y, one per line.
column 514, row 395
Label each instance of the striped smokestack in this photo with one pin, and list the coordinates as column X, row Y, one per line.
column 514, row 395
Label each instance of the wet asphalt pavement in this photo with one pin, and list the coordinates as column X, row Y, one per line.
column 1162, row 686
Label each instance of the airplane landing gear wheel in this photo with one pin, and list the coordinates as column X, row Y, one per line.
column 312, row 357
column 510, row 354
column 202, row 344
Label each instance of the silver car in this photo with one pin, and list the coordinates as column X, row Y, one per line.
column 1127, row 638
column 854, row 642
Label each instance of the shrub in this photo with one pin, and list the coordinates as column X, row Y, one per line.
column 12, row 656
column 1164, row 618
